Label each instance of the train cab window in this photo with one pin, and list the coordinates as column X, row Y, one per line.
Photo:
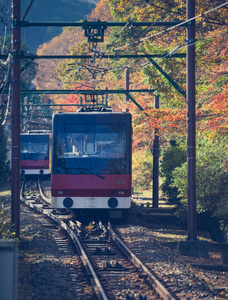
column 99, row 148
column 34, row 147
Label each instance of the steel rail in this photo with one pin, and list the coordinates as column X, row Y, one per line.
column 71, row 229
column 156, row 284
column 97, row 285
column 41, row 192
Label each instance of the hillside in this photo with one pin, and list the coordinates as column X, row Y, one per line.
column 52, row 10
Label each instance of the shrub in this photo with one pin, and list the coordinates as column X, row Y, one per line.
column 4, row 166
column 5, row 227
column 211, row 181
column 173, row 157
column 142, row 168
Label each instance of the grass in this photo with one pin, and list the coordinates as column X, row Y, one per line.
column 5, row 215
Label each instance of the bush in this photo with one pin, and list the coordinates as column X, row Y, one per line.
column 211, row 181
column 173, row 157
column 5, row 227
column 142, row 168
column 4, row 166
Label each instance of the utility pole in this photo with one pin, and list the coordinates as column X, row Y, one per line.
column 156, row 160
column 16, row 92
column 127, row 84
column 191, row 128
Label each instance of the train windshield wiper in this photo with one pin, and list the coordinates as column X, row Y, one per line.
column 87, row 170
column 91, row 172
column 28, row 156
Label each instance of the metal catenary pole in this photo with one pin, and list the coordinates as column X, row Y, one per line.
column 15, row 158
column 156, row 160
column 191, row 128
column 126, row 84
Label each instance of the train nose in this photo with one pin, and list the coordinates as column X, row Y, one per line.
column 68, row 202
column 112, row 202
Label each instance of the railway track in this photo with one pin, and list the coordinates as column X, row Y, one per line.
column 105, row 264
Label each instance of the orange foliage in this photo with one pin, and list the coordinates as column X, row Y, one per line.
column 74, row 98
column 101, row 12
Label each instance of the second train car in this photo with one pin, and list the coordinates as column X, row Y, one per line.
column 91, row 161
column 35, row 153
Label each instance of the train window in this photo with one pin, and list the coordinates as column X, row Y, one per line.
column 99, row 148
column 34, row 147
column 100, row 140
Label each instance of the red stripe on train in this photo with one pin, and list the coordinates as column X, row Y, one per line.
column 90, row 185
column 34, row 164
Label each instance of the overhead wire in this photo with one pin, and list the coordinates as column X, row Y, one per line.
column 131, row 19
column 163, row 31
column 183, row 44
column 100, row 53
column 27, row 10
column 2, row 8
column 172, row 27
column 174, row 50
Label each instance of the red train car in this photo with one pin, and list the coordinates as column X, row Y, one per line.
column 35, row 153
column 91, row 161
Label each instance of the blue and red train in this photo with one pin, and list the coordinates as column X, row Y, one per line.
column 35, row 153
column 91, row 161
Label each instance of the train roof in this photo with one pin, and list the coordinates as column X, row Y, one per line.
column 39, row 131
column 68, row 117
column 36, row 133
column 88, row 112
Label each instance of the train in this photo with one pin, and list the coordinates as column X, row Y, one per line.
column 35, row 153
column 91, row 161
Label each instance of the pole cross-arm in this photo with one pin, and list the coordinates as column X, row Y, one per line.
column 134, row 101
column 175, row 85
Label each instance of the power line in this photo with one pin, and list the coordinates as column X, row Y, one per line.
column 172, row 27
column 27, row 10
column 161, row 32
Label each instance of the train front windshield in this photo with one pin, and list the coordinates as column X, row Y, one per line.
column 91, row 149
column 34, row 147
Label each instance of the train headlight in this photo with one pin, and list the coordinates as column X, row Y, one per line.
column 22, row 172
column 112, row 202
column 41, row 172
column 68, row 202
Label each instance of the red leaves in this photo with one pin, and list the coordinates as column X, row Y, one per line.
column 167, row 120
column 74, row 98
column 223, row 52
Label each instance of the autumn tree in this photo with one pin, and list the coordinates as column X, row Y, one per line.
column 211, row 53
column 170, row 119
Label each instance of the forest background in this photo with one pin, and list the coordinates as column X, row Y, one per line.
column 211, row 93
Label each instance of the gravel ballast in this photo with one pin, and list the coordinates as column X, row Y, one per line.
column 44, row 270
